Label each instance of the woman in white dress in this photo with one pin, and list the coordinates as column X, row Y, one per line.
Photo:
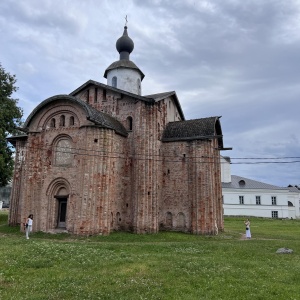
column 28, row 226
column 248, row 232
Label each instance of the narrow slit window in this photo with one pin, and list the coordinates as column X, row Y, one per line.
column 129, row 123
column 88, row 96
column 96, row 95
column 114, row 82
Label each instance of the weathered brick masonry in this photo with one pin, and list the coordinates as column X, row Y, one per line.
column 103, row 159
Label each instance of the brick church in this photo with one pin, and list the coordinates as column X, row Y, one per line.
column 105, row 158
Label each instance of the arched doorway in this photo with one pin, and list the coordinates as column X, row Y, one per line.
column 62, row 200
column 58, row 193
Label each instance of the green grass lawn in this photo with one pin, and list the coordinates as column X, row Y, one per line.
column 159, row 266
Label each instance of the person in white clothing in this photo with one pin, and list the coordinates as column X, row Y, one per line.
column 28, row 226
column 248, row 232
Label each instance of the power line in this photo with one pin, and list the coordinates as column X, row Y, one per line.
column 284, row 157
column 158, row 157
column 265, row 162
column 184, row 154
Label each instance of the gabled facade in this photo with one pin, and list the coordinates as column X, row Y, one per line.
column 104, row 159
column 246, row 197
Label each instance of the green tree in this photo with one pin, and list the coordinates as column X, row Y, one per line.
column 10, row 120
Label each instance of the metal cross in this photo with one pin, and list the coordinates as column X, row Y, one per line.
column 126, row 20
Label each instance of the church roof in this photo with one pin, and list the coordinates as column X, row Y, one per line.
column 162, row 96
column 106, row 121
column 13, row 139
column 149, row 98
column 123, row 63
column 238, row 182
column 198, row 129
column 108, row 87
column 97, row 117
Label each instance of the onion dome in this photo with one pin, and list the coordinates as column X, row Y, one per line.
column 124, row 74
column 124, row 45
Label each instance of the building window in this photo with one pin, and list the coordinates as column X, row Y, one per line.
column 274, row 201
column 62, row 121
column 258, row 200
column 241, row 199
column 88, row 96
column 52, row 123
column 114, row 82
column 242, row 182
column 71, row 121
column 139, row 86
column 129, row 123
column 275, row 214
column 96, row 96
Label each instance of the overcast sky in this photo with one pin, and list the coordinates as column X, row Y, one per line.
column 231, row 58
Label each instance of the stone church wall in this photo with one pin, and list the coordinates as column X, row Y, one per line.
column 175, row 210
column 18, row 184
column 191, row 198
column 110, row 182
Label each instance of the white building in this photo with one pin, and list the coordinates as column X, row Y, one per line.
column 247, row 197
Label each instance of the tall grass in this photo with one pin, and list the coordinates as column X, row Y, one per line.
column 159, row 266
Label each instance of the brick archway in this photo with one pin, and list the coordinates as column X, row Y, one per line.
column 58, row 194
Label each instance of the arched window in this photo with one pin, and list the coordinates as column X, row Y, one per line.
column 63, row 152
column 62, row 121
column 114, row 82
column 129, row 123
column 71, row 121
column 52, row 123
